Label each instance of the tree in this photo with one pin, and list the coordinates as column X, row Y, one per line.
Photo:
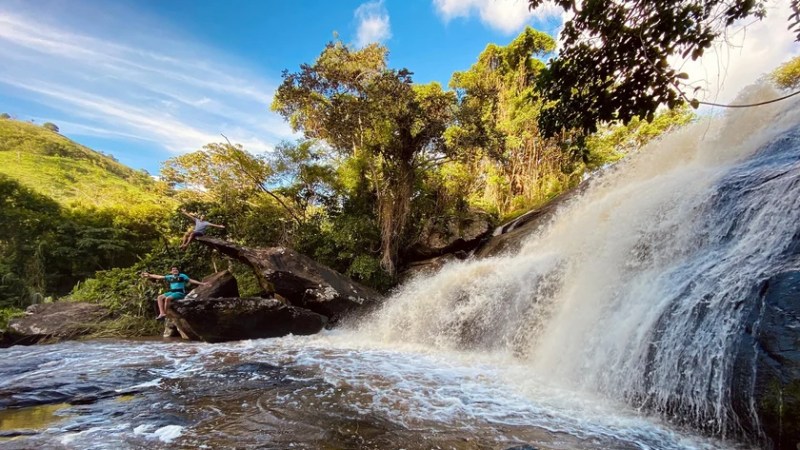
column 614, row 61
column 226, row 173
column 497, row 120
column 50, row 126
column 787, row 76
column 363, row 109
column 5, row 116
column 304, row 174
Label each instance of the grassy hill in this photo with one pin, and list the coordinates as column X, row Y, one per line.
column 73, row 175
column 67, row 211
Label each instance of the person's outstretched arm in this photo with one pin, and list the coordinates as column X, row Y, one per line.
column 199, row 283
column 188, row 215
column 215, row 225
column 152, row 276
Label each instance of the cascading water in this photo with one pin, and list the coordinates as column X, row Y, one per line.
column 639, row 288
column 648, row 290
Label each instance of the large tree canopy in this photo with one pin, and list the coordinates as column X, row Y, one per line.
column 363, row 109
column 614, row 60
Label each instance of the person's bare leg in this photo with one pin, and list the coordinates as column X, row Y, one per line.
column 161, row 306
column 191, row 236
column 186, row 238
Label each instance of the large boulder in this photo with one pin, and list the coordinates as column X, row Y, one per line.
column 230, row 319
column 53, row 322
column 220, row 284
column 766, row 381
column 300, row 280
column 450, row 235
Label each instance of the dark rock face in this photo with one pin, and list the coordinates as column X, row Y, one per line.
column 300, row 280
column 766, row 382
column 222, row 284
column 229, row 319
column 507, row 237
column 53, row 322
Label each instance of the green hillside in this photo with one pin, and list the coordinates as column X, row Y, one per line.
column 67, row 211
column 74, row 175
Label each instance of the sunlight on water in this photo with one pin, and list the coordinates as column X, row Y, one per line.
column 34, row 417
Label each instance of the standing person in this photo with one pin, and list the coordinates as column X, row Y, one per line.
column 199, row 229
column 177, row 288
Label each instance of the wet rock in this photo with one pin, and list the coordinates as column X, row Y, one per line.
column 231, row 319
column 766, row 382
column 429, row 266
column 54, row 322
column 510, row 236
column 300, row 280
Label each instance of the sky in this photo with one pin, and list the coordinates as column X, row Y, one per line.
column 146, row 80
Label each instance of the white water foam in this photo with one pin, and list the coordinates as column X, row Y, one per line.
column 584, row 303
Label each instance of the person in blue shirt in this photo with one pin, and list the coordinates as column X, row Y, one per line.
column 199, row 229
column 178, row 283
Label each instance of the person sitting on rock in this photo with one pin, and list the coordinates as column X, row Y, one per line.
column 199, row 229
column 177, row 288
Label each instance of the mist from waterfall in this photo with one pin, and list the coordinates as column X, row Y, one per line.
column 637, row 288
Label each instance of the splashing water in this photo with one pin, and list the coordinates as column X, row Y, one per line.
column 637, row 289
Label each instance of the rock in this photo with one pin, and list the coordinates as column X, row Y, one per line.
column 5, row 339
column 450, row 235
column 429, row 266
column 300, row 280
column 170, row 329
column 54, row 321
column 511, row 235
column 222, row 284
column 231, row 319
column 766, row 379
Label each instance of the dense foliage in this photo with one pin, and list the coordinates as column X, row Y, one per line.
column 366, row 110
column 513, row 166
column 613, row 64
column 67, row 212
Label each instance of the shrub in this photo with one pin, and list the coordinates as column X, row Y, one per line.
column 50, row 126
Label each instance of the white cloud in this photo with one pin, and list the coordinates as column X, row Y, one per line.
column 750, row 51
column 169, row 91
column 373, row 23
column 507, row 16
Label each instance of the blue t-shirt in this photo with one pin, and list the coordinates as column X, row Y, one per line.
column 177, row 282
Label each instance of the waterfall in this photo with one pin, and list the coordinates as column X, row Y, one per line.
column 638, row 289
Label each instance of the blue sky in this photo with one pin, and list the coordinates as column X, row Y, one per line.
column 146, row 80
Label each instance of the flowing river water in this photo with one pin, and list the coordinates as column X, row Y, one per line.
column 627, row 303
